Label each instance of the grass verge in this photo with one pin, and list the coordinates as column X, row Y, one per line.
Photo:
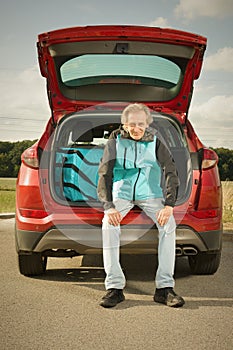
column 227, row 187
column 7, row 195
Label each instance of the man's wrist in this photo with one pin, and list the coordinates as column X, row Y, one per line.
column 169, row 204
column 108, row 205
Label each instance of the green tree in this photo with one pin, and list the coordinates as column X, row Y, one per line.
column 5, row 160
column 5, row 147
column 10, row 156
column 16, row 152
column 5, row 165
column 225, row 163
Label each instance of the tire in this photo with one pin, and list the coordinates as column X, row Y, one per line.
column 33, row 264
column 204, row 264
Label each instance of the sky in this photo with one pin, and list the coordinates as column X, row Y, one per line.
column 24, row 106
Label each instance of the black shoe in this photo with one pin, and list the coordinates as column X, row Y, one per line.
column 168, row 297
column 112, row 298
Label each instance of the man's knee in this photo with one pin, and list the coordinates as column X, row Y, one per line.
column 170, row 226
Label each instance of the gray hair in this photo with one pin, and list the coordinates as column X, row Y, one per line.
column 136, row 107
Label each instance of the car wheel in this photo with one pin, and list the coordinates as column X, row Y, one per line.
column 32, row 264
column 204, row 264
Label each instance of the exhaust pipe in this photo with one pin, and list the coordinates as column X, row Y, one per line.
column 179, row 251
column 189, row 251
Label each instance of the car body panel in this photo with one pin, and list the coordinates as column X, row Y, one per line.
column 59, row 45
column 48, row 224
column 82, row 240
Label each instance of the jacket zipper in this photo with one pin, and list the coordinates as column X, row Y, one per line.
column 135, row 165
column 124, row 158
column 135, row 184
column 136, row 154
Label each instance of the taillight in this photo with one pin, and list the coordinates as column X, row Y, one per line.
column 210, row 159
column 30, row 157
column 33, row 213
column 205, row 214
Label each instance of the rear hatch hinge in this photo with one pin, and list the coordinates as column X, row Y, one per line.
column 50, row 97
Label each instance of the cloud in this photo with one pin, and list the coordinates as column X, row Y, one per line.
column 191, row 9
column 23, row 93
column 212, row 121
column 222, row 60
column 217, row 109
column 24, row 105
column 159, row 22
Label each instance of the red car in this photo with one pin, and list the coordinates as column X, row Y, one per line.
column 92, row 73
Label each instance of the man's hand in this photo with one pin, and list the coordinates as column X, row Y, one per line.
column 164, row 214
column 114, row 217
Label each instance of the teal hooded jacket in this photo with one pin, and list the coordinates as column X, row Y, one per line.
column 136, row 170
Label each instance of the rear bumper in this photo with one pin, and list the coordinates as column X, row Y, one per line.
column 135, row 240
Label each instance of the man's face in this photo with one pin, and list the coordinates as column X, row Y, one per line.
column 136, row 124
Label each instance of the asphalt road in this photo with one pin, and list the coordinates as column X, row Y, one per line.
column 61, row 309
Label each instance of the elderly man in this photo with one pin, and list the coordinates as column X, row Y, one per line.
column 130, row 174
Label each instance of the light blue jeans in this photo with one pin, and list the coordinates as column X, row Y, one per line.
column 111, row 245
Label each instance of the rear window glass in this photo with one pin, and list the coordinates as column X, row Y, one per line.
column 112, row 69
